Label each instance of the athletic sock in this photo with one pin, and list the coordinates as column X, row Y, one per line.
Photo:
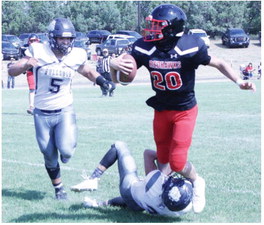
column 58, row 186
column 97, row 173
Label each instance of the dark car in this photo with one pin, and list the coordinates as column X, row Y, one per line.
column 98, row 36
column 130, row 33
column 82, row 44
column 12, row 39
column 10, row 51
column 24, row 36
column 235, row 37
column 114, row 46
column 43, row 37
column 82, row 37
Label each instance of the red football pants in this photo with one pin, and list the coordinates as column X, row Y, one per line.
column 173, row 136
column 30, row 80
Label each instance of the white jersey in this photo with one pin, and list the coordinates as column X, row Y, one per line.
column 147, row 194
column 53, row 77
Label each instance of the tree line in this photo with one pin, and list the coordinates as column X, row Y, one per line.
column 213, row 16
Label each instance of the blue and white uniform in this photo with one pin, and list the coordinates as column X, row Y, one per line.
column 147, row 194
column 54, row 76
column 139, row 194
column 54, row 116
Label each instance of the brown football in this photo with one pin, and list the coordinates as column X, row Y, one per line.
column 123, row 78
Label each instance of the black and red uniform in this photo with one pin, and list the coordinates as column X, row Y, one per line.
column 173, row 79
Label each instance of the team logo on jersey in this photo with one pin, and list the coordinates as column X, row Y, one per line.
column 59, row 71
column 173, row 56
column 155, row 64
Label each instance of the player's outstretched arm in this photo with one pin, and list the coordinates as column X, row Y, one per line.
column 93, row 76
column 227, row 70
column 88, row 72
column 22, row 66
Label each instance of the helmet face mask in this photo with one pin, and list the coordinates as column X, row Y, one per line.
column 61, row 28
column 164, row 23
column 153, row 30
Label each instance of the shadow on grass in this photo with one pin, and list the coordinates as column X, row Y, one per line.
column 23, row 194
column 77, row 213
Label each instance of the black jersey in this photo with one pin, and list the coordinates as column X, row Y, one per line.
column 173, row 72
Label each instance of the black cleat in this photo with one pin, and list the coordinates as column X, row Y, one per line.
column 60, row 194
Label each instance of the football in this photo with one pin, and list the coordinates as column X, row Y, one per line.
column 123, row 78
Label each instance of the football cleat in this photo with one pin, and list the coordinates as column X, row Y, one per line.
column 86, row 185
column 198, row 194
column 90, row 202
column 60, row 194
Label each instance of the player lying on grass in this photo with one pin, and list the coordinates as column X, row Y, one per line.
column 158, row 193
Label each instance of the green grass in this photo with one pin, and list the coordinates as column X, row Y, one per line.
column 226, row 151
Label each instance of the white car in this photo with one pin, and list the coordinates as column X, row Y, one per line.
column 131, row 39
column 202, row 34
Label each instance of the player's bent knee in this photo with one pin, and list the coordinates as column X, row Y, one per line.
column 120, row 145
column 67, row 153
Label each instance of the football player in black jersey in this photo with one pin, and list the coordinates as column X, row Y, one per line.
column 172, row 55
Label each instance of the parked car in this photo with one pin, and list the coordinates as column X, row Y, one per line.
column 114, row 46
column 82, row 36
column 235, row 37
column 130, row 33
column 83, row 45
column 98, row 36
column 24, row 36
column 131, row 39
column 10, row 51
column 202, row 34
column 43, row 37
column 12, row 39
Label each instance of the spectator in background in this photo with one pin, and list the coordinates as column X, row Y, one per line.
column 10, row 79
column 30, row 76
column 103, row 67
column 248, row 71
column 259, row 70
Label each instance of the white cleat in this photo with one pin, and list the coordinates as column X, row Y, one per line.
column 86, row 185
column 88, row 202
column 198, row 195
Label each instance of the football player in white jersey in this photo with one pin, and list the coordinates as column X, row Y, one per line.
column 54, row 66
column 157, row 193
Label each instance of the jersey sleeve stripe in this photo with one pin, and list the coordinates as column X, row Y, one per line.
column 185, row 52
column 152, row 180
column 144, row 51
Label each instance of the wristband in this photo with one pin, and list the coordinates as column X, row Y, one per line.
column 239, row 81
column 100, row 80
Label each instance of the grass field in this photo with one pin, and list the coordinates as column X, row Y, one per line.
column 226, row 151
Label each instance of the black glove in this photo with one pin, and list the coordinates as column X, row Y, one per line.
column 102, row 82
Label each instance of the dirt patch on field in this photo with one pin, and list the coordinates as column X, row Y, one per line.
column 234, row 56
